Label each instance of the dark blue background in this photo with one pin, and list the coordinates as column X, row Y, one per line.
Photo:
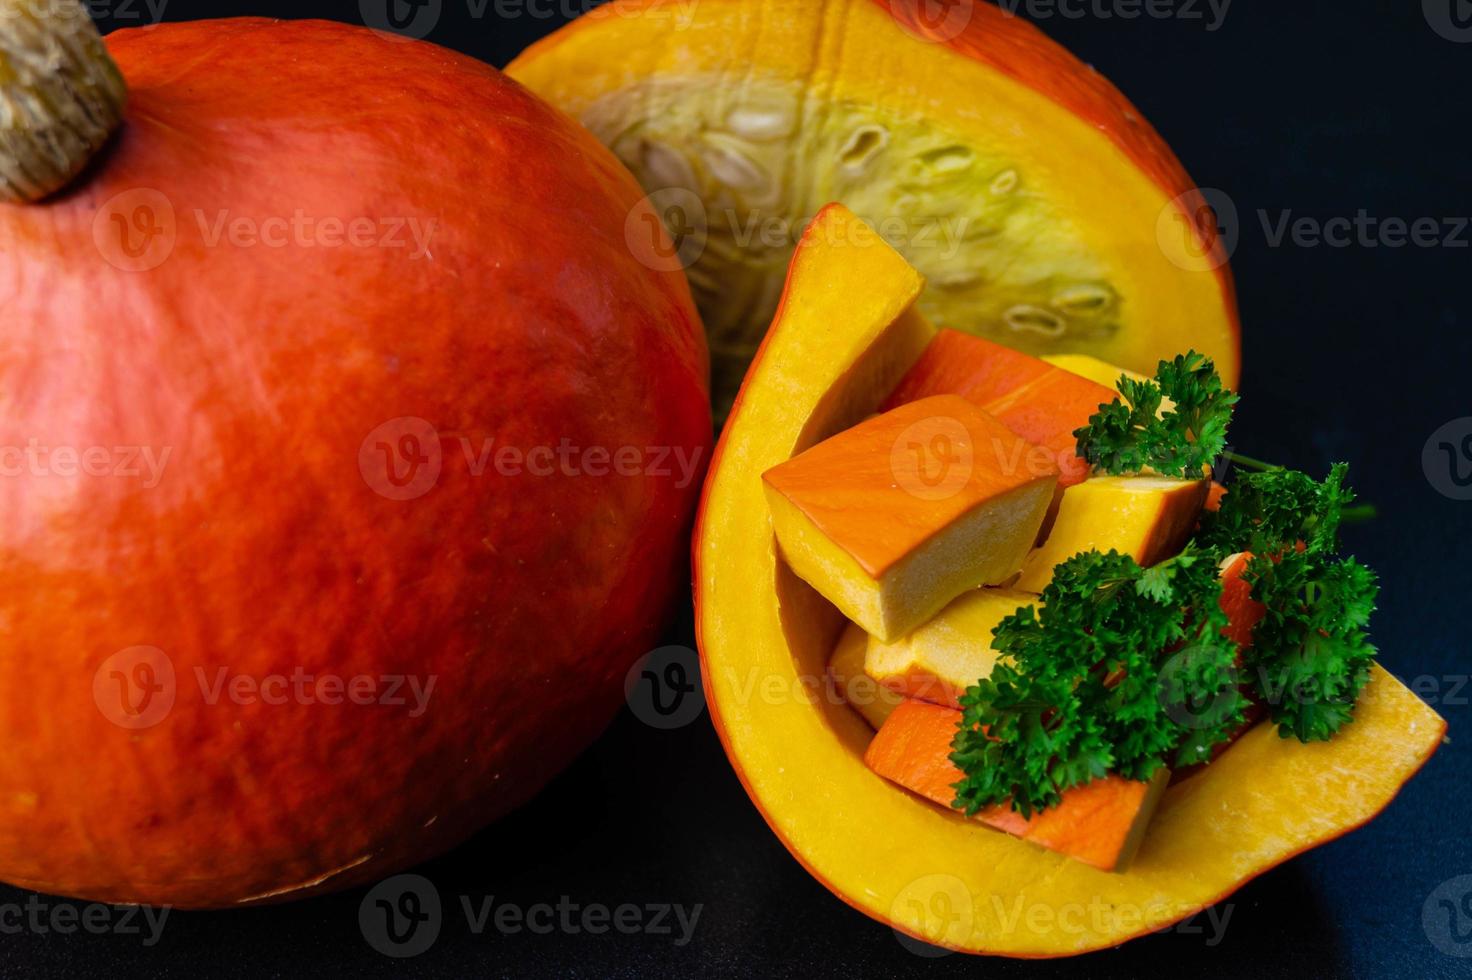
column 1351, row 353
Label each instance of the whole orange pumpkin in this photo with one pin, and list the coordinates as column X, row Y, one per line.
column 347, row 450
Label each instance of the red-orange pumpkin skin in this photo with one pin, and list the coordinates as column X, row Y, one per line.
column 266, row 549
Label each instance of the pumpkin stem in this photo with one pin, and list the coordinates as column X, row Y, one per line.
column 61, row 96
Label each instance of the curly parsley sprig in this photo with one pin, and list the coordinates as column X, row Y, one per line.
column 1105, row 677
column 1310, row 655
column 1123, row 669
column 1266, row 512
column 1132, row 434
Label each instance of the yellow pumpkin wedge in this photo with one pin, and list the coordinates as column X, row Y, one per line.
column 1043, row 209
column 846, row 331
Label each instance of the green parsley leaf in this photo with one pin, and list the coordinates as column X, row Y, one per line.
column 1310, row 655
column 1130, row 434
column 1108, row 676
column 1266, row 512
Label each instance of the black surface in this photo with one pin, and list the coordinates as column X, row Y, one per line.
column 1355, row 353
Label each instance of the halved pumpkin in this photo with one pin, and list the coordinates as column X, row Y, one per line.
column 1042, row 208
column 846, row 331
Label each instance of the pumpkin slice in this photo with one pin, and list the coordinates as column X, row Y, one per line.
column 1149, row 518
column 1040, row 402
column 951, row 652
column 1044, row 210
column 846, row 333
column 859, row 691
column 894, row 518
column 1101, row 824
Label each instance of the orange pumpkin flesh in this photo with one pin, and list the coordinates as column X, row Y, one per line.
column 1214, row 496
column 845, row 333
column 1243, row 611
column 1040, row 402
column 891, row 540
column 1042, row 209
column 275, row 376
column 1101, row 823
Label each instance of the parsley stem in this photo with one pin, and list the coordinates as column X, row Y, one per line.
column 1249, row 463
column 1358, row 515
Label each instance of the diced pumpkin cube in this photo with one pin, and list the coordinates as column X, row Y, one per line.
column 1214, row 497
column 899, row 515
column 1146, row 517
column 1243, row 611
column 1039, row 401
column 938, row 661
column 860, row 691
column 977, row 369
column 1101, row 823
